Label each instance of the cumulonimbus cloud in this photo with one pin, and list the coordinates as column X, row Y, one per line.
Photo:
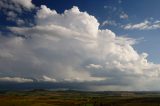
column 70, row 47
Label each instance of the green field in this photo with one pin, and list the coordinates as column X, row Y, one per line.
column 78, row 98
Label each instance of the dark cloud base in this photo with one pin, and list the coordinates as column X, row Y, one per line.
column 43, row 85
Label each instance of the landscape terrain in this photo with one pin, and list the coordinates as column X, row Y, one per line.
column 40, row 97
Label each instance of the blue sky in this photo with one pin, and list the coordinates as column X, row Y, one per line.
column 80, row 44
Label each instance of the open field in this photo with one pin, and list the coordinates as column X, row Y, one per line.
column 78, row 98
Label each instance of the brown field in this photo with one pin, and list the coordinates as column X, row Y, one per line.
column 77, row 98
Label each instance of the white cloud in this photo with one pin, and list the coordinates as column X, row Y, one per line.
column 62, row 45
column 96, row 66
column 146, row 25
column 78, row 79
column 25, row 3
column 15, row 79
column 48, row 79
column 16, row 5
column 123, row 16
column 14, row 8
column 109, row 22
column 20, row 22
column 81, row 23
column 11, row 14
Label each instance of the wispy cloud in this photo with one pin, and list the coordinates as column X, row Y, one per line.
column 94, row 66
column 145, row 25
column 120, row 1
column 109, row 23
column 111, row 8
column 123, row 16
column 15, row 79
column 48, row 79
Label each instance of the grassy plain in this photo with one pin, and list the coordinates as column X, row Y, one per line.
column 78, row 98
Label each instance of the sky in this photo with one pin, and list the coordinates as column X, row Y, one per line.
column 79, row 44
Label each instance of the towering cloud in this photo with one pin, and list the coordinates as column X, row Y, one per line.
column 71, row 48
